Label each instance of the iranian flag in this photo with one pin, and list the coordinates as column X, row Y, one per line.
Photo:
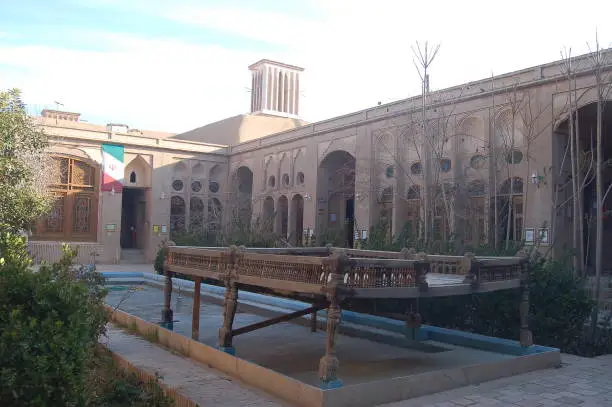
column 112, row 167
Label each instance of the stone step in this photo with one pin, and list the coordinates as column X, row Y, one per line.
column 132, row 256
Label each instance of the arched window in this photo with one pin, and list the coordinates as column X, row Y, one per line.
column 475, row 222
column 133, row 177
column 510, row 209
column 442, row 200
column 214, row 214
column 177, row 215
column 413, row 211
column 74, row 212
column 196, row 214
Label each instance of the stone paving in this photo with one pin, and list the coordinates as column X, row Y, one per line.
column 202, row 384
column 580, row 382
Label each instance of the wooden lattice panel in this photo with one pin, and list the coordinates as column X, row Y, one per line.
column 494, row 272
column 366, row 273
column 298, row 269
column 206, row 260
column 446, row 265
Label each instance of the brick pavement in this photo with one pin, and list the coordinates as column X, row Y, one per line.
column 204, row 385
column 580, row 382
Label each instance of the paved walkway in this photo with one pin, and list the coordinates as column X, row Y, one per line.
column 204, row 385
column 580, row 382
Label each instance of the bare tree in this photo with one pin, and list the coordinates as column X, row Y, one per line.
column 425, row 59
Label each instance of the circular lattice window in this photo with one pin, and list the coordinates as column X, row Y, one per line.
column 177, row 185
column 196, row 186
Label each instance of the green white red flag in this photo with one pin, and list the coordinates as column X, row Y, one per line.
column 113, row 167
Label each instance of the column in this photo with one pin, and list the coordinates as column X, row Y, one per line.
column 269, row 89
column 294, row 94
column 526, row 337
column 230, row 303
column 329, row 364
column 258, row 100
column 264, row 87
column 195, row 323
column 167, row 314
column 297, row 94
column 274, row 98
column 281, row 92
column 253, row 89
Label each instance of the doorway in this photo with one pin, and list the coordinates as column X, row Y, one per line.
column 133, row 216
column 349, row 220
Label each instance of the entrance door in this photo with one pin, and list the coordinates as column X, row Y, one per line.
column 349, row 221
column 133, row 207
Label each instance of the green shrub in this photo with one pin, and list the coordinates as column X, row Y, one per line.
column 559, row 307
column 50, row 322
column 158, row 265
column 108, row 385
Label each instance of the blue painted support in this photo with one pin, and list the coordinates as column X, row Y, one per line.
column 168, row 325
column 230, row 350
column 416, row 334
column 334, row 384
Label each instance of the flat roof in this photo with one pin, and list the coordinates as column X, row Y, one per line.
column 279, row 64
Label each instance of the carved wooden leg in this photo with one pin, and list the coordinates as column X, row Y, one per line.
column 230, row 303
column 526, row 338
column 413, row 322
column 313, row 321
column 328, row 366
column 195, row 325
column 167, row 314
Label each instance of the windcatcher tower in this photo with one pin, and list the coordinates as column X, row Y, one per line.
column 275, row 89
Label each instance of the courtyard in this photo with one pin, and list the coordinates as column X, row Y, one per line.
column 580, row 381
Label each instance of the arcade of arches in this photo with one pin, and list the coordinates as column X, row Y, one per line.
column 585, row 126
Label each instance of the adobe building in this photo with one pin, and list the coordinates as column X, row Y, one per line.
column 491, row 163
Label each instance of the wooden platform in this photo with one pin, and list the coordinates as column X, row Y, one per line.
column 327, row 276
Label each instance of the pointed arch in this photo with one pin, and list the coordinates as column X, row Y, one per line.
column 268, row 214
column 510, row 209
column 282, row 220
column 177, row 215
column 196, row 214
column 470, row 136
column 138, row 173
column 215, row 214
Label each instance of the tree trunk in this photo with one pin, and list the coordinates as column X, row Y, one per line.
column 580, row 201
column 573, row 158
column 510, row 198
column 599, row 203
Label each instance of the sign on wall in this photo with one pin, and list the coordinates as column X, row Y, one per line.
column 113, row 166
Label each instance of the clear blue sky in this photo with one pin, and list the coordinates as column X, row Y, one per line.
column 175, row 65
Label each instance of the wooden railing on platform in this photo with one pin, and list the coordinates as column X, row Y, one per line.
column 363, row 268
column 327, row 276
